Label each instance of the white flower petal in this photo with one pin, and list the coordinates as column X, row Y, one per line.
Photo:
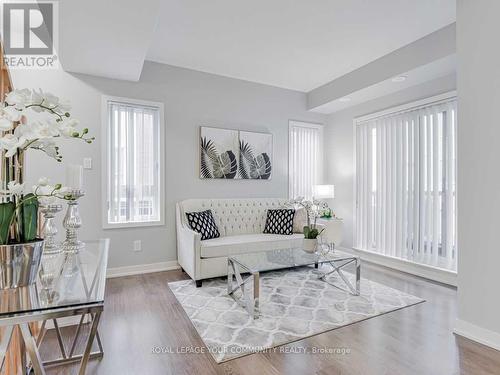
column 6, row 124
column 12, row 113
column 15, row 188
column 43, row 181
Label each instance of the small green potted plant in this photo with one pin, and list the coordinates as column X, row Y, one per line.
column 311, row 234
column 311, row 231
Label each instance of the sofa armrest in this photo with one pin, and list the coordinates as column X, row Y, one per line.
column 188, row 246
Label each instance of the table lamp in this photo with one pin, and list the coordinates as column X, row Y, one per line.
column 324, row 192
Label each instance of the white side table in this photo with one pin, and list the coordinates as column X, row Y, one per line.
column 332, row 235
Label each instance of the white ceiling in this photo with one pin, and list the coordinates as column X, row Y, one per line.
column 106, row 38
column 424, row 73
column 298, row 45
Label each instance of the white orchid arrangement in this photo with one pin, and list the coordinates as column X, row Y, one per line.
column 35, row 119
column 313, row 208
column 31, row 119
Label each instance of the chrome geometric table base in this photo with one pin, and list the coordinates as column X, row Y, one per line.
column 252, row 303
column 32, row 342
column 337, row 268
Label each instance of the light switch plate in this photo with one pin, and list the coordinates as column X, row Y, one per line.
column 87, row 163
column 137, row 245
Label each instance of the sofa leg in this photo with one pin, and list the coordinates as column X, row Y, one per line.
column 198, row 283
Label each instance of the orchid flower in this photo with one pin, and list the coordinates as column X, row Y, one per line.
column 37, row 119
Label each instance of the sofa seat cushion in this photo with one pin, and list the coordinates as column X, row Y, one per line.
column 248, row 243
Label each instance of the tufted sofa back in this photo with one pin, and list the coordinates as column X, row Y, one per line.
column 234, row 216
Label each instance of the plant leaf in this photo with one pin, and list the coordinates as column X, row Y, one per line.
column 226, row 166
column 261, row 168
column 7, row 211
column 306, row 231
column 207, row 156
column 29, row 217
column 246, row 159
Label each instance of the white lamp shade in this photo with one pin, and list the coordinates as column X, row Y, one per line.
column 323, row 191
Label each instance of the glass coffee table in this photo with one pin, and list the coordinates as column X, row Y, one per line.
column 67, row 285
column 255, row 263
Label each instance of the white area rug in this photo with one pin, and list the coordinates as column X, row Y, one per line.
column 294, row 305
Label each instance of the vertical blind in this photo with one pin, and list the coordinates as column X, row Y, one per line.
column 305, row 158
column 133, row 163
column 406, row 184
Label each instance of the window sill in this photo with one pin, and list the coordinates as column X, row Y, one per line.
column 440, row 275
column 159, row 223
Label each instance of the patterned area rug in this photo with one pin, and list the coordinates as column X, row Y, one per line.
column 294, row 305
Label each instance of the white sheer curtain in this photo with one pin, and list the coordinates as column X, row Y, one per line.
column 133, row 163
column 305, row 158
column 406, row 184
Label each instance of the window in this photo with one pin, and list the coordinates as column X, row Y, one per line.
column 406, row 183
column 305, row 158
column 133, row 157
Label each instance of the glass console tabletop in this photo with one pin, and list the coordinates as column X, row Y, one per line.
column 65, row 281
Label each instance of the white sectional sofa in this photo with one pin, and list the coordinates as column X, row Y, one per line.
column 240, row 222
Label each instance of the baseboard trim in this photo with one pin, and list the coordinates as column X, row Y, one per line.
column 421, row 270
column 142, row 268
column 475, row 333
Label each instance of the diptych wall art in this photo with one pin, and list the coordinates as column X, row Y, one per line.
column 232, row 154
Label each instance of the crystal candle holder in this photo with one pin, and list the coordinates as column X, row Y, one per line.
column 72, row 223
column 49, row 230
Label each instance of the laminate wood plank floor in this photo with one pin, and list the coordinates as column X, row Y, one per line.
column 142, row 314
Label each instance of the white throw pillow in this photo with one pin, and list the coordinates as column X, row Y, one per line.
column 299, row 220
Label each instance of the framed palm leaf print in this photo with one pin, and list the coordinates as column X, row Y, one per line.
column 255, row 155
column 218, row 153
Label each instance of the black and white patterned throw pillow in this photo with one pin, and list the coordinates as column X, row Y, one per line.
column 203, row 222
column 279, row 221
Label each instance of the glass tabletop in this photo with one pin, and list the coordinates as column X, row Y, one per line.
column 64, row 280
column 286, row 258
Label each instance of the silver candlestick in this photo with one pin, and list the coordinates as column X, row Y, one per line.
column 49, row 229
column 72, row 223
column 50, row 264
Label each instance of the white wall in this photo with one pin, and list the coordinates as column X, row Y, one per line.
column 339, row 144
column 191, row 99
column 478, row 170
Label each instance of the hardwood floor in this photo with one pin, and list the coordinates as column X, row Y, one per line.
column 141, row 314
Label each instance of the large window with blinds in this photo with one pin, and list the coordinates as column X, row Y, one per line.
column 406, row 182
column 132, row 162
column 305, row 158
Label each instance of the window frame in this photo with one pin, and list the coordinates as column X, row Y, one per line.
column 105, row 99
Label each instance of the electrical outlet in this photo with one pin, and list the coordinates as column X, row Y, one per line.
column 137, row 245
column 87, row 163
